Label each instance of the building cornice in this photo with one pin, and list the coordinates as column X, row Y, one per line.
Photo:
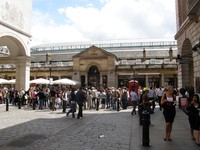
column 183, row 27
column 15, row 29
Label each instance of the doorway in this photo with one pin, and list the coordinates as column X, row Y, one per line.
column 93, row 77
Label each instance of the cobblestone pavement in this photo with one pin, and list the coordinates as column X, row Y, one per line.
column 45, row 129
column 97, row 130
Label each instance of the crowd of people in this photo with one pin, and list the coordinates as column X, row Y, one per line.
column 110, row 98
column 63, row 97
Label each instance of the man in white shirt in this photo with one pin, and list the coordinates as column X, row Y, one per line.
column 134, row 99
column 159, row 93
column 152, row 96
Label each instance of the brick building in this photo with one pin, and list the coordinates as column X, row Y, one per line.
column 188, row 43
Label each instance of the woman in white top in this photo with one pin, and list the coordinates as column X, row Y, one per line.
column 168, row 103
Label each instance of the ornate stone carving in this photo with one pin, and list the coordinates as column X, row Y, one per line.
column 12, row 15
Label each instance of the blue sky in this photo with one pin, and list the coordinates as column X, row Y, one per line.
column 52, row 6
column 96, row 20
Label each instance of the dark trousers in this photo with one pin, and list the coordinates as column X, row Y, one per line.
column 159, row 101
column 134, row 107
column 93, row 102
column 64, row 106
column 80, row 110
column 124, row 103
column 97, row 104
column 34, row 101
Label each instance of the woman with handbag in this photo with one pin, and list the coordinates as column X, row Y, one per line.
column 193, row 111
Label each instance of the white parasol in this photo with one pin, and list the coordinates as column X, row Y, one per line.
column 66, row 81
column 40, row 81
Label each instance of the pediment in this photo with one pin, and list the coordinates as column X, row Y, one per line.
column 94, row 52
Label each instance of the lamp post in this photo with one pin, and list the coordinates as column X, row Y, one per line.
column 49, row 61
column 134, row 78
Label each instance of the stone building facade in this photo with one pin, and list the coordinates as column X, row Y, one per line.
column 15, row 25
column 188, row 42
column 108, row 63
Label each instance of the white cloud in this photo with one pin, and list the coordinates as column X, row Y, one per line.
column 117, row 19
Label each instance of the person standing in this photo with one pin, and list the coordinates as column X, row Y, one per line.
column 194, row 119
column 124, row 98
column 17, row 99
column 145, row 101
column 64, row 99
column 41, row 95
column 80, row 98
column 152, row 96
column 134, row 99
column 168, row 102
column 93, row 92
column 72, row 102
column 52, row 95
column 89, row 99
column 108, row 98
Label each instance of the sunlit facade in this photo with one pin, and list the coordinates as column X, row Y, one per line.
column 108, row 63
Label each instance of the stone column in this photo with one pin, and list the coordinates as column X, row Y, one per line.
column 111, row 78
column 22, row 75
column 162, row 80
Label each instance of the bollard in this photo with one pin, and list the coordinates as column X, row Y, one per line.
column 146, row 123
column 117, row 104
column 7, row 105
column 140, row 109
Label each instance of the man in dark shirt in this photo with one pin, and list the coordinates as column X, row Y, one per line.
column 80, row 98
column 42, row 97
column 52, row 95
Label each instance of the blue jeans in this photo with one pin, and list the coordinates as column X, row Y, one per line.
column 41, row 103
column 114, row 104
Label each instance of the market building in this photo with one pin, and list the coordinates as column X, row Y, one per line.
column 107, row 63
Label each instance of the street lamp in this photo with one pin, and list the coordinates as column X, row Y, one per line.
column 196, row 47
column 184, row 58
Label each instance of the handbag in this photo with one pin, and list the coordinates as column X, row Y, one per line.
column 186, row 111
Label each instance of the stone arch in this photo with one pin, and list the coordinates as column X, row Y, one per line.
column 93, row 64
column 93, row 74
column 186, row 68
column 19, row 56
column 15, row 45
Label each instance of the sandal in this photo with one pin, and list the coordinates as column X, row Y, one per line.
column 193, row 138
column 197, row 144
column 170, row 140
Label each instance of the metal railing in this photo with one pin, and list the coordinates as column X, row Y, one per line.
column 111, row 45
